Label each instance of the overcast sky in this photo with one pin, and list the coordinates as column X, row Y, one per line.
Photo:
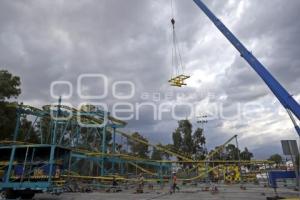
column 130, row 40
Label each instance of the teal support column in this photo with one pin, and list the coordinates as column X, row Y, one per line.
column 103, row 149
column 16, row 132
column 48, row 139
column 160, row 175
column 122, row 167
column 54, row 133
column 77, row 135
column 63, row 132
column 40, row 131
column 58, row 113
column 51, row 161
column 114, row 150
column 31, row 161
column 27, row 136
column 10, row 164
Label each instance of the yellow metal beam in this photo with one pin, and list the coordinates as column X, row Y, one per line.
column 143, row 169
column 155, row 146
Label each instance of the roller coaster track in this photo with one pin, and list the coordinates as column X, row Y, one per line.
column 142, row 169
column 214, row 152
column 158, row 147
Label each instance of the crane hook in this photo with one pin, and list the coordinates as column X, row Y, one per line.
column 173, row 22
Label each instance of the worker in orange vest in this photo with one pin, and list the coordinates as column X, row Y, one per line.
column 174, row 181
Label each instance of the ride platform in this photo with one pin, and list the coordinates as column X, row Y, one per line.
column 178, row 81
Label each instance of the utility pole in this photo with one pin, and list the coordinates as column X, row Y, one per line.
column 202, row 120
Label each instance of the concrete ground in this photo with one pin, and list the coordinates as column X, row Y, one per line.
column 226, row 192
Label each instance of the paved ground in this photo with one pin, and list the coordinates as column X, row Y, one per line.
column 232, row 192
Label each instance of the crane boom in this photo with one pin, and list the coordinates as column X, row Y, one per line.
column 288, row 102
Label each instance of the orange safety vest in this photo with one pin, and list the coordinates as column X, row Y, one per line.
column 174, row 179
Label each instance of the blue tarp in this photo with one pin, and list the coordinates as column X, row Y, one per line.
column 274, row 175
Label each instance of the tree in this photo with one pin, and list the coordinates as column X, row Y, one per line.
column 217, row 155
column 185, row 128
column 199, row 150
column 156, row 154
column 169, row 147
column 7, row 120
column 191, row 145
column 177, row 140
column 10, row 88
column 9, row 85
column 43, row 125
column 276, row 158
column 27, row 133
column 138, row 148
column 246, row 154
column 232, row 153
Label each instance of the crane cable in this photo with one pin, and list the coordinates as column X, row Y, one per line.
column 177, row 63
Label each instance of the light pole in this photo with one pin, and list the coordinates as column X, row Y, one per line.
column 202, row 120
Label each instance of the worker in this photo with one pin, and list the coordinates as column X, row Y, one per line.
column 214, row 189
column 174, row 183
column 140, row 188
column 114, row 183
column 114, row 186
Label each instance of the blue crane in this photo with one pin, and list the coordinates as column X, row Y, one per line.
column 288, row 102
